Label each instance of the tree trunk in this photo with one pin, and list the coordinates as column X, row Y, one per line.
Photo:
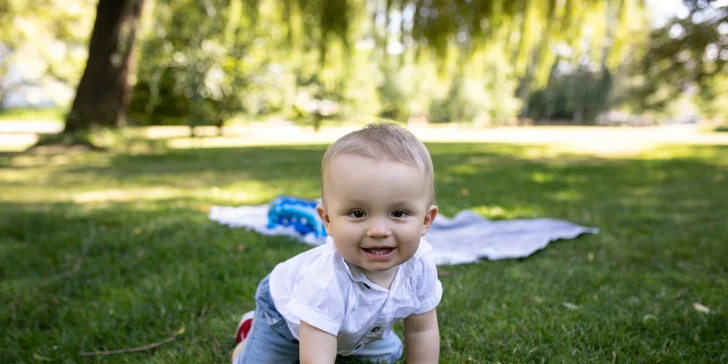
column 523, row 93
column 103, row 95
column 578, row 117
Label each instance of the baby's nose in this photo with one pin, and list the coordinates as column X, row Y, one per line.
column 378, row 229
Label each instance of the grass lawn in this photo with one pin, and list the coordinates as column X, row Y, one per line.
column 22, row 114
column 114, row 250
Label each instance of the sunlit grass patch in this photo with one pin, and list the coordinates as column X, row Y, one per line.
column 31, row 114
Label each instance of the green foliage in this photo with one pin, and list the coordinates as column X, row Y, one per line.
column 188, row 69
column 452, row 61
column 577, row 96
column 687, row 55
column 411, row 90
column 45, row 40
column 203, row 62
column 713, row 100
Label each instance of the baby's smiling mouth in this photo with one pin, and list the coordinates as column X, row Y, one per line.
column 378, row 250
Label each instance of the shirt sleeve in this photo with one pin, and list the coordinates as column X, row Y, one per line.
column 317, row 298
column 429, row 292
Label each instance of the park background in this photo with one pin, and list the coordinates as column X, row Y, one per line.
column 122, row 122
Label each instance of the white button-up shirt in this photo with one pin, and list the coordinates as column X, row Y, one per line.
column 319, row 287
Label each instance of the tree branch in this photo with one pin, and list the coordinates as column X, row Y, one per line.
column 134, row 350
column 65, row 274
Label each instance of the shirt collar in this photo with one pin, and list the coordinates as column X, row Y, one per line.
column 352, row 271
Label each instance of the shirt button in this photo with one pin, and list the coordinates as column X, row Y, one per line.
column 376, row 329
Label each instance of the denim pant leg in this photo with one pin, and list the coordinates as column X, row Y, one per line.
column 387, row 350
column 270, row 341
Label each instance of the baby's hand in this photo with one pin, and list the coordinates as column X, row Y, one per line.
column 315, row 346
column 422, row 337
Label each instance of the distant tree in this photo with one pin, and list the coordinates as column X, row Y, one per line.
column 686, row 55
column 576, row 97
column 41, row 44
column 102, row 96
column 528, row 32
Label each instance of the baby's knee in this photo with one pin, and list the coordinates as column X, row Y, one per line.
column 237, row 352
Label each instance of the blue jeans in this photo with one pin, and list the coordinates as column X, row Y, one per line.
column 270, row 340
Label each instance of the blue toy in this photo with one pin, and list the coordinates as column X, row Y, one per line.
column 298, row 213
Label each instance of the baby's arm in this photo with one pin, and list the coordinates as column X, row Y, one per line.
column 315, row 346
column 422, row 337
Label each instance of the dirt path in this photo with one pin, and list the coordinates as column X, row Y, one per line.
column 599, row 140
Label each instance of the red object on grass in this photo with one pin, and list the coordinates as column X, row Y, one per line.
column 246, row 323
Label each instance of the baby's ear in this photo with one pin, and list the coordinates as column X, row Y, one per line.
column 429, row 218
column 321, row 210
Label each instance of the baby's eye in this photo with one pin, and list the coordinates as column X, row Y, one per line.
column 399, row 213
column 357, row 214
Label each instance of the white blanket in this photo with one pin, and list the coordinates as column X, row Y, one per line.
column 465, row 238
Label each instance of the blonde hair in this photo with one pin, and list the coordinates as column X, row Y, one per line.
column 383, row 141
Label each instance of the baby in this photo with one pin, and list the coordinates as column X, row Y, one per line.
column 343, row 297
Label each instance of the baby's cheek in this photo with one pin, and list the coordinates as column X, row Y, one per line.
column 414, row 229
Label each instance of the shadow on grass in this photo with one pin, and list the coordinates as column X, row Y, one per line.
column 150, row 266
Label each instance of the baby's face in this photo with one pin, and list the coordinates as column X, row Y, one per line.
column 376, row 211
